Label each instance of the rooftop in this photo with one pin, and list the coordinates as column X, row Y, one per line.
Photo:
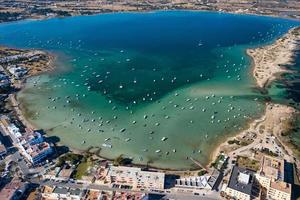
column 281, row 186
column 12, row 188
column 35, row 150
column 60, row 190
column 92, row 195
column 241, row 180
column 137, row 173
column 272, row 168
column 2, row 148
column 66, row 173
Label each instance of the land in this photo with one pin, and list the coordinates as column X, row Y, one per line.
column 35, row 9
column 269, row 61
column 262, row 136
column 33, row 61
column 83, row 174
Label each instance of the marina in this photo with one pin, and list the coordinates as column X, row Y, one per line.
column 144, row 102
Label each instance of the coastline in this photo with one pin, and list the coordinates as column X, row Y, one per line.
column 269, row 60
column 18, row 110
column 267, row 66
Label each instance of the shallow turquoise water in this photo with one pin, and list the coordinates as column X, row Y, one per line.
column 136, row 78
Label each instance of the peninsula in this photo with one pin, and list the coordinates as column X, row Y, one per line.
column 269, row 61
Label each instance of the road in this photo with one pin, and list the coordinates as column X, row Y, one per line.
column 16, row 157
column 209, row 195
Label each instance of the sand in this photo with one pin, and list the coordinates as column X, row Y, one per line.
column 268, row 61
column 270, row 125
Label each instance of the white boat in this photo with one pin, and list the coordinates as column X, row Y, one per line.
column 107, row 145
column 164, row 138
column 158, row 151
column 174, row 150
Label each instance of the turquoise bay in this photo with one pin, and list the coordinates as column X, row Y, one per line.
column 158, row 87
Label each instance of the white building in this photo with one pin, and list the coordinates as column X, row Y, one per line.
column 30, row 144
column 135, row 178
column 197, row 183
column 17, row 71
column 61, row 193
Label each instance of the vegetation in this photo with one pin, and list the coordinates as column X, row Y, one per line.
column 220, row 162
column 2, row 167
column 202, row 172
column 120, row 160
column 83, row 167
column 234, row 141
column 69, row 157
column 45, row 11
column 268, row 152
column 288, row 126
column 248, row 163
column 7, row 16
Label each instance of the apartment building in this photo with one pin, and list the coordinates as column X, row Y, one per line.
column 135, row 178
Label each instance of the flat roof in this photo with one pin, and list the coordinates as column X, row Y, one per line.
column 137, row 174
column 60, row 190
column 272, row 167
column 281, row 186
column 237, row 181
column 76, row 191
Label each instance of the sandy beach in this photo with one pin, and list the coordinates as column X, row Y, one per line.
column 272, row 124
column 268, row 61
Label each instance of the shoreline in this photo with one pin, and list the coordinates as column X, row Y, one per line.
column 264, row 71
column 158, row 9
column 264, row 82
column 269, row 61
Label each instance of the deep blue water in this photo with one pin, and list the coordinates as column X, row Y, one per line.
column 179, row 74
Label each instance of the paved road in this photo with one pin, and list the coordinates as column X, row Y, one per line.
column 190, row 197
column 16, row 157
column 210, row 195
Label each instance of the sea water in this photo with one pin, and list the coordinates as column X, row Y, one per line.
column 159, row 87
